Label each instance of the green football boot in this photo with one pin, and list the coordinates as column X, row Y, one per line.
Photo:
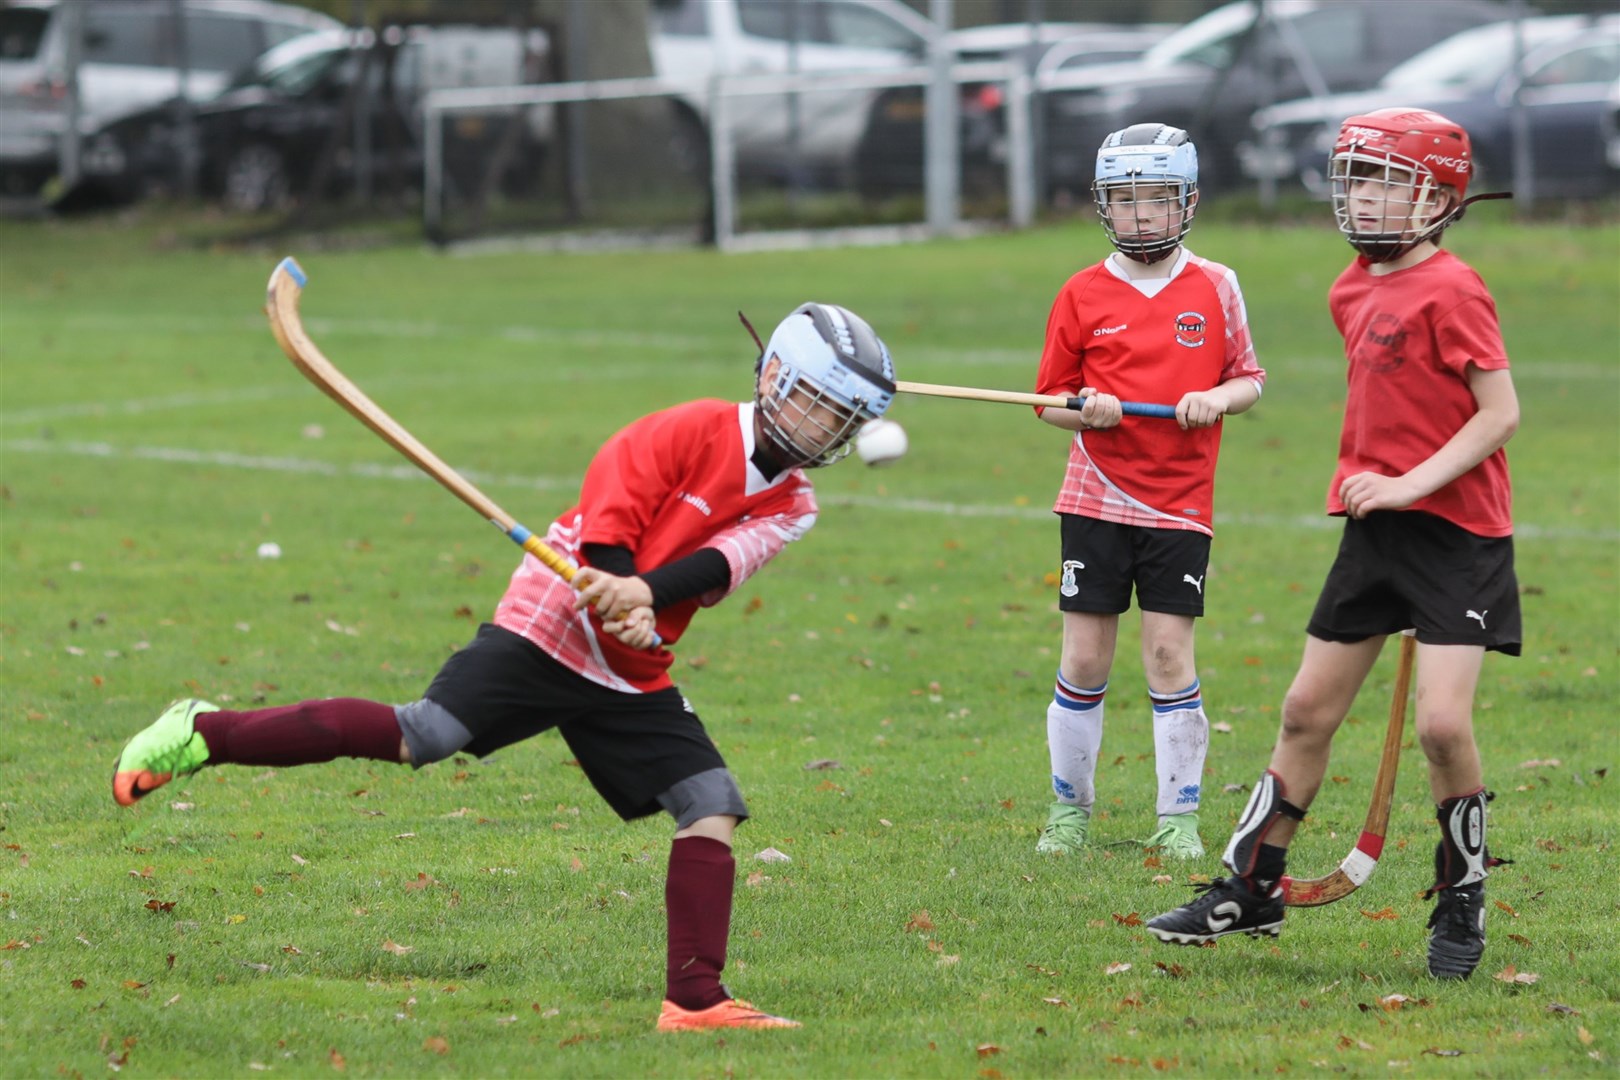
column 166, row 749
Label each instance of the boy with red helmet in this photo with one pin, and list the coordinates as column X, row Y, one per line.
column 676, row 511
column 1153, row 322
column 1422, row 481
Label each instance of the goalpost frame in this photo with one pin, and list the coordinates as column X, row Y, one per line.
column 719, row 92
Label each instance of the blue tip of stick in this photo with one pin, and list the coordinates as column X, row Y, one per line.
column 294, row 271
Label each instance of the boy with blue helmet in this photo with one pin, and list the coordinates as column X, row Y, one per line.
column 1153, row 322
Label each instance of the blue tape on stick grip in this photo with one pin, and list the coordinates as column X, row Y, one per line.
column 1130, row 408
column 294, row 271
column 518, row 533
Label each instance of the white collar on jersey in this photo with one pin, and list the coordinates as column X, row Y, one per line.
column 1149, row 287
column 755, row 481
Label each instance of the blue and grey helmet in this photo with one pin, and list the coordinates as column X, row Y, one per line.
column 1146, row 187
column 823, row 374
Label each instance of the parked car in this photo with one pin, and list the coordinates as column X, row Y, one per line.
column 810, row 136
column 263, row 138
column 890, row 157
column 133, row 55
column 1212, row 74
column 1569, row 76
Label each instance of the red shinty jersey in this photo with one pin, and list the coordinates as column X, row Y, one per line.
column 665, row 486
column 1409, row 338
column 1107, row 332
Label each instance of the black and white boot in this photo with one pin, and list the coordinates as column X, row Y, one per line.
column 1227, row 906
column 1457, row 925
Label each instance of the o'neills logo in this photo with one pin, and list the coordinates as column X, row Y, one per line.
column 1190, row 329
column 1458, row 163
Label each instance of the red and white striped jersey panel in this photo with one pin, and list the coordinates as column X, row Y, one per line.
column 664, row 487
column 1150, row 341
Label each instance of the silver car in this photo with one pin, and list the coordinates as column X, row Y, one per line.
column 132, row 53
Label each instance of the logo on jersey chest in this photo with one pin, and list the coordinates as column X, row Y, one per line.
column 1190, row 327
column 1383, row 348
column 698, row 501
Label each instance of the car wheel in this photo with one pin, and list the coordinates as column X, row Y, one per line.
column 256, row 179
column 689, row 147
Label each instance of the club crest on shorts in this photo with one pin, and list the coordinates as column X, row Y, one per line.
column 1067, row 585
column 1190, row 326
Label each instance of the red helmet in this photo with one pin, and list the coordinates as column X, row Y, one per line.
column 1411, row 153
column 1416, row 138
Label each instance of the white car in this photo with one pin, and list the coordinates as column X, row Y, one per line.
column 131, row 57
column 783, row 136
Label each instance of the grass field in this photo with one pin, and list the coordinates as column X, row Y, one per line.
column 484, row 918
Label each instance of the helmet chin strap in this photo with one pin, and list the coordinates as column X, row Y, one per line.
column 1384, row 248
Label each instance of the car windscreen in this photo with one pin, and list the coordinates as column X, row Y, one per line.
column 1470, row 60
column 294, row 76
column 21, row 30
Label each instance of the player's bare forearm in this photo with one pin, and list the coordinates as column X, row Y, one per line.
column 1100, row 411
column 1486, row 432
column 1202, row 408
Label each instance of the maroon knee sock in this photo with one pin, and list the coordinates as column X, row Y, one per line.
column 697, row 901
column 299, row 734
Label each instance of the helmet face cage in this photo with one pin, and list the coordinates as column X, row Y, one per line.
column 1145, row 187
column 1388, row 171
column 823, row 374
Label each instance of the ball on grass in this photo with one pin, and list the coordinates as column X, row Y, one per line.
column 269, row 550
column 880, row 442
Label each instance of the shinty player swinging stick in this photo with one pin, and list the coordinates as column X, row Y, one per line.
column 676, row 511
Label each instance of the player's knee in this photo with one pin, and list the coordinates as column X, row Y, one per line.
column 1305, row 716
column 1445, row 737
column 708, row 794
column 431, row 732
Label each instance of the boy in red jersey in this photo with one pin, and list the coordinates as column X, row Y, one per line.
column 1152, row 322
column 1422, row 481
column 676, row 511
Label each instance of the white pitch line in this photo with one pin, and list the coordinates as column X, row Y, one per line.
column 889, row 504
column 918, row 356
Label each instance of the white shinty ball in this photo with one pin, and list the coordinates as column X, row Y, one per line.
column 269, row 550
column 880, row 441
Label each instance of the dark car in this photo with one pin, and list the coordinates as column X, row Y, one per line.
column 1571, row 68
column 889, row 159
column 1214, row 73
column 285, row 127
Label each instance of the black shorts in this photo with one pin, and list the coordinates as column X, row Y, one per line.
column 1406, row 568
column 1102, row 560
column 632, row 747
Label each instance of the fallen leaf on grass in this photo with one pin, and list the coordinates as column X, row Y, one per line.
column 397, row 950
column 770, row 854
column 436, row 1044
column 1539, row 763
column 1437, row 1052
column 1059, row 1002
column 1585, row 1036
column 1512, row 975
column 422, row 881
column 1504, row 907
column 336, row 1059
column 823, row 763
column 1382, row 914
column 987, row 1049
column 1116, row 968
column 1133, row 919
column 920, row 921
column 1555, row 1007
column 161, row 905
column 1520, row 939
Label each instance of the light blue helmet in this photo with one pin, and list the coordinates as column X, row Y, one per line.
column 1147, row 156
column 828, row 373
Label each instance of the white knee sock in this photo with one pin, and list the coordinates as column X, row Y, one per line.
column 1180, row 743
column 1074, row 723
